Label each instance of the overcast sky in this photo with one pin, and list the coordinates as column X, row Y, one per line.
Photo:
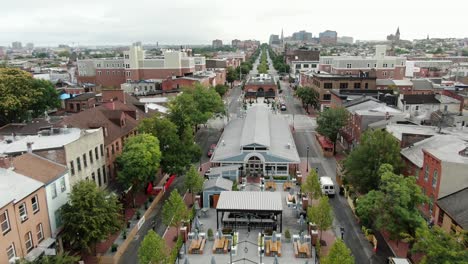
column 49, row 22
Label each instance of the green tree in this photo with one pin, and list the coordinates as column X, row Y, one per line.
column 176, row 157
column 439, row 246
column 321, row 214
column 401, row 196
column 183, row 111
column 174, row 210
column 139, row 161
column 193, row 181
column 232, row 75
column 64, row 53
column 221, row 89
column 362, row 164
column 90, row 215
column 339, row 254
column 330, row 122
column 311, row 185
column 152, row 249
column 60, row 258
column 21, row 96
column 308, row 97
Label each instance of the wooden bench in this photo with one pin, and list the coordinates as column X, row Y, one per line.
column 202, row 246
column 226, row 245
column 308, row 252
column 278, row 247
column 267, row 247
column 296, row 252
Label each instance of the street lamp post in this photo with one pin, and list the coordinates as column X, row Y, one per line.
column 307, row 168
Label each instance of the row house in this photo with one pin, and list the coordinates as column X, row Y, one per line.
column 135, row 66
column 302, row 60
column 81, row 150
column 385, row 67
column 439, row 164
column 24, row 220
column 206, row 78
column 421, row 106
column 117, row 118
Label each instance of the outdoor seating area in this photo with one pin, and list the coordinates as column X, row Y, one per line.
column 287, row 186
column 270, row 185
column 197, row 246
column 273, row 248
column 220, row 245
column 301, row 250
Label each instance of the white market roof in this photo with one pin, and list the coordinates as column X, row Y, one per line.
column 15, row 187
column 250, row 201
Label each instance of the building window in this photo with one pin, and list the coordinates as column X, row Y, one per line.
column 107, row 72
column 440, row 219
column 328, row 85
column 305, row 66
column 104, row 175
column 39, row 232
column 417, row 108
column 53, row 190
column 384, row 73
column 107, row 152
column 35, row 204
column 5, row 222
column 343, row 85
column 99, row 73
column 327, row 97
column 407, row 107
column 72, row 168
column 93, row 176
column 348, row 66
column 63, row 186
column 11, row 252
column 117, row 147
column 102, row 150
column 434, row 178
column 99, row 176
column 426, row 173
column 58, row 218
column 85, row 161
column 91, row 156
column 113, row 151
column 385, row 65
column 375, row 65
column 366, row 85
column 23, row 212
column 368, row 65
column 357, row 85
column 96, row 153
column 28, row 241
column 78, row 163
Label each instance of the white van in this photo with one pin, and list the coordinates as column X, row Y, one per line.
column 398, row 261
column 327, row 186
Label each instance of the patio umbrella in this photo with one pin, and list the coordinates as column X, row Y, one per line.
column 301, row 222
column 220, row 233
column 276, row 260
column 196, row 223
column 195, row 235
column 273, row 237
column 213, row 261
column 301, row 237
column 186, row 261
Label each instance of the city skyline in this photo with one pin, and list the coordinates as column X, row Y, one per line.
column 187, row 22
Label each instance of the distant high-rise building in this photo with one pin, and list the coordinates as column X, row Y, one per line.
column 217, row 43
column 346, row 40
column 30, row 46
column 16, row 45
column 236, row 43
column 274, row 40
column 328, row 37
column 302, row 36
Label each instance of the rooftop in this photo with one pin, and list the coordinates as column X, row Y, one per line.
column 420, row 99
column 38, row 168
column 14, row 187
column 218, row 182
column 456, row 207
column 82, row 97
column 397, row 130
column 250, row 201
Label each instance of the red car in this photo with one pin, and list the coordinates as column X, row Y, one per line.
column 211, row 150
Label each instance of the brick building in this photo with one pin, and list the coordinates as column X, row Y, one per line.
column 80, row 102
column 301, row 60
column 261, row 86
column 135, row 66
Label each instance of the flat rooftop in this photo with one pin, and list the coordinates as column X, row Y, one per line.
column 250, row 201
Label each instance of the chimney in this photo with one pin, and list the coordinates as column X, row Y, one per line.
column 29, row 146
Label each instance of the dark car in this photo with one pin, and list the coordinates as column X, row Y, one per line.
column 283, row 107
column 211, row 150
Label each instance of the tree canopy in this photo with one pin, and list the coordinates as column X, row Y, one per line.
column 176, row 156
column 139, row 161
column 312, row 185
column 152, row 249
column 321, row 214
column 308, row 97
column 401, row 196
column 193, row 181
column 60, row 258
column 232, row 75
column 362, row 164
column 23, row 97
column 174, row 210
column 331, row 121
column 221, row 89
column 90, row 215
column 339, row 254
column 439, row 246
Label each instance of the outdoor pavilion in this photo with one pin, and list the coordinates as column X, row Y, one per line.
column 250, row 209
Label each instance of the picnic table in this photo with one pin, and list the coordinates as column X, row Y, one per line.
column 196, row 247
column 270, row 184
column 273, row 247
column 220, row 245
column 302, row 250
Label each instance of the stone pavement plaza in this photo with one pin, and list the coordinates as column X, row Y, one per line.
column 247, row 250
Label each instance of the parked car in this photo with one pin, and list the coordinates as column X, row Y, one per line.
column 211, row 150
column 283, row 107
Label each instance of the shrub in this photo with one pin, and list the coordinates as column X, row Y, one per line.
column 138, row 214
column 210, row 234
column 114, row 247
column 175, row 251
column 287, row 235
